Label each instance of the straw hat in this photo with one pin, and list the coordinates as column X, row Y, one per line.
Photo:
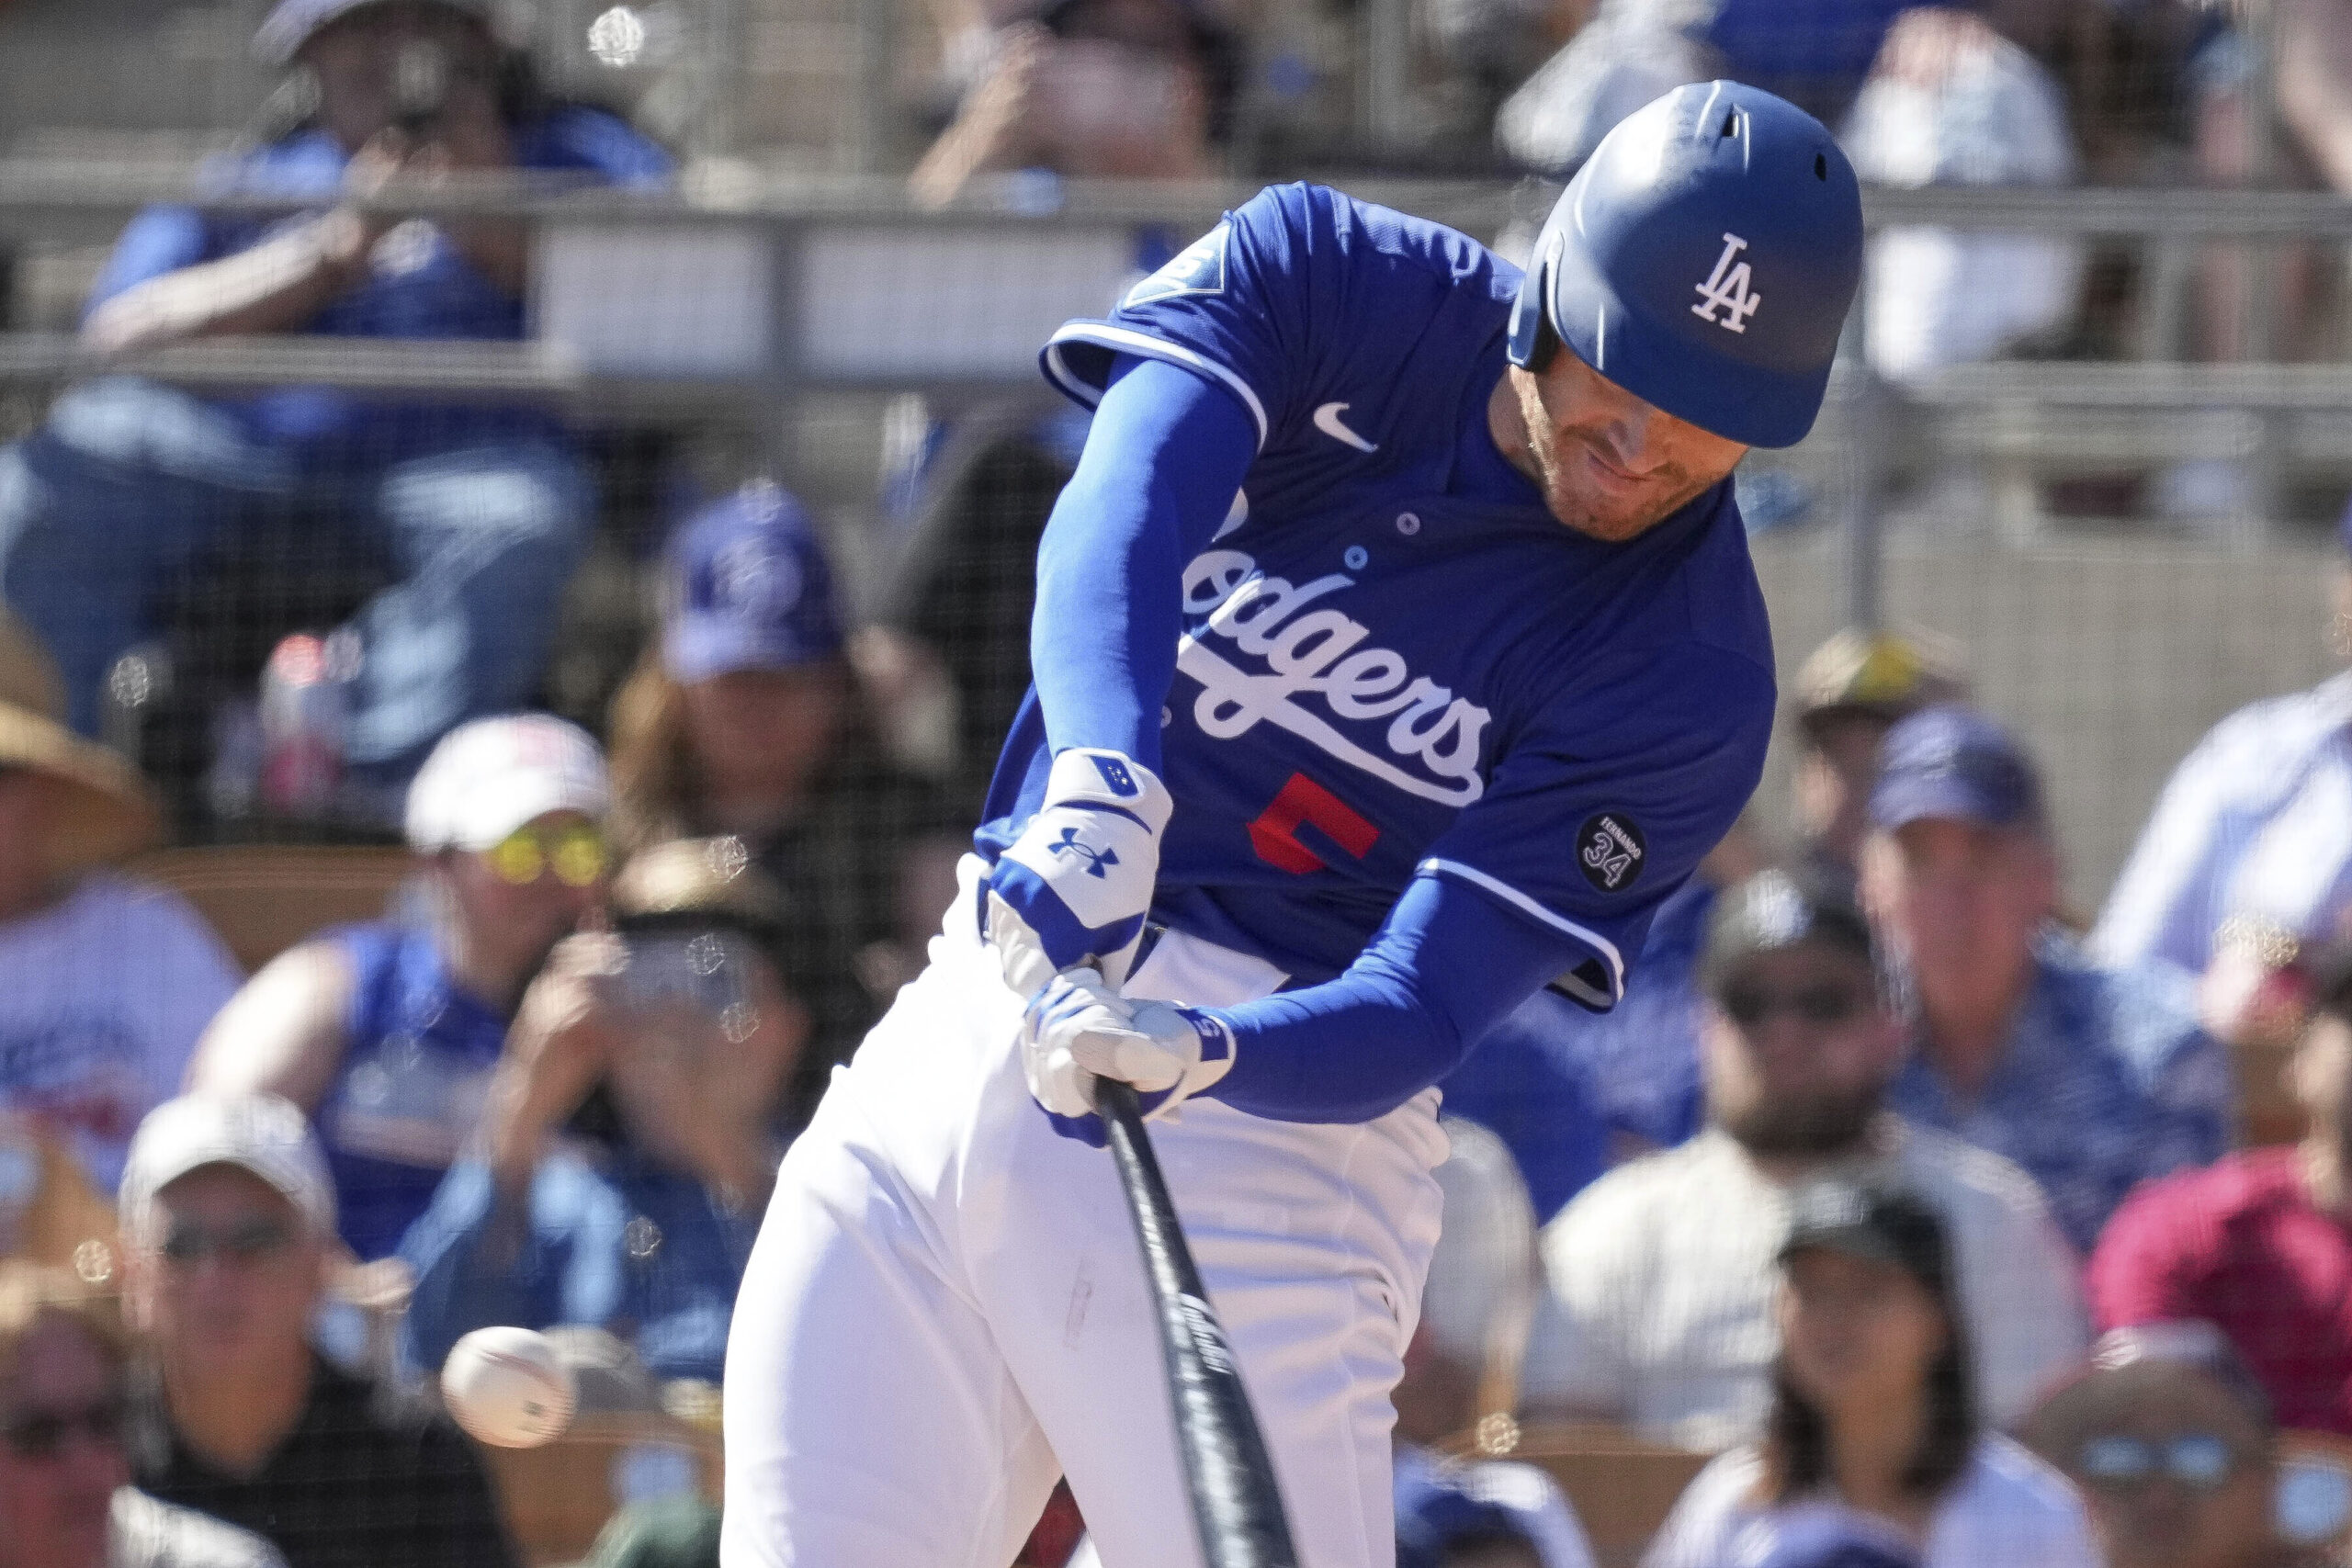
column 99, row 809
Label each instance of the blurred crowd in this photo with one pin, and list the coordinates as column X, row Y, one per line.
column 1931, row 1219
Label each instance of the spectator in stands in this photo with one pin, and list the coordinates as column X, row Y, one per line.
column 2266, row 104
column 2259, row 1243
column 227, row 1214
column 1091, row 89
column 626, row 1154
column 2174, row 1446
column 387, row 1032
column 1818, row 56
column 1487, row 1513
column 1659, row 1308
column 742, row 721
column 1849, row 692
column 106, row 980
column 1873, row 1408
column 2246, row 861
column 1608, row 1087
column 485, row 508
column 66, row 1494
column 1921, row 94
column 2091, row 1078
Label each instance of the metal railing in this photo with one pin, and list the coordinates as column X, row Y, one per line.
column 793, row 309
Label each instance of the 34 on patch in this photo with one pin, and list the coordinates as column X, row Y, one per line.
column 1610, row 851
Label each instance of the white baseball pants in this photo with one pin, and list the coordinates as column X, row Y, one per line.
column 946, row 1307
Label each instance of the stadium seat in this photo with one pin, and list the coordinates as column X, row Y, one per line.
column 263, row 898
column 556, row 1499
column 1621, row 1487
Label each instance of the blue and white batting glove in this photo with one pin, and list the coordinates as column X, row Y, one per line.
column 1075, row 886
column 1078, row 1029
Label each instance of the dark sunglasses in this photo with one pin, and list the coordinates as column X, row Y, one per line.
column 2193, row 1458
column 43, row 1434
column 1823, row 1006
column 246, row 1242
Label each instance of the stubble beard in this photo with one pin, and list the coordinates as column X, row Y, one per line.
column 1816, row 1126
column 1568, row 501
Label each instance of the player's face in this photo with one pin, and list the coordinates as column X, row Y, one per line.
column 1608, row 464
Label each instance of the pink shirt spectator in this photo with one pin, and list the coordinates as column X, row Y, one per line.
column 2241, row 1244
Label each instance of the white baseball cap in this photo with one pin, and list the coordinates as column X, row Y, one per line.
column 489, row 777
column 258, row 1133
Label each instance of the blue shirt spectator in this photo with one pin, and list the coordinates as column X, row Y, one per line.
column 416, row 1064
column 2105, row 1081
column 2091, row 1078
column 483, row 511
column 420, row 283
column 625, row 1151
column 387, row 1033
column 607, row 1237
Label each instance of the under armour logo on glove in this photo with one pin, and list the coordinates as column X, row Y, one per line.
column 1075, row 886
column 1096, row 860
column 1726, row 289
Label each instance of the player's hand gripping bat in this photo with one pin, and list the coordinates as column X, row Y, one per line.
column 1236, row 1506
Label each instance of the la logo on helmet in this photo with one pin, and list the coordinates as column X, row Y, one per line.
column 1727, row 290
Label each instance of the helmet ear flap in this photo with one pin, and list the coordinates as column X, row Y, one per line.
column 1531, row 341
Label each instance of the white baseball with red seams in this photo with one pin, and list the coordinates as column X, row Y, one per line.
column 508, row 1387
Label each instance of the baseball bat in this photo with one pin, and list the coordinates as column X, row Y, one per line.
column 1236, row 1508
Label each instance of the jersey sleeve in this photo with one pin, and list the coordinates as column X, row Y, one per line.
column 1244, row 307
column 1620, row 786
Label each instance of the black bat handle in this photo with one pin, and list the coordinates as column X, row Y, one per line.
column 1235, row 1504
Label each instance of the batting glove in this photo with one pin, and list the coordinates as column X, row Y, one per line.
column 1074, row 889
column 1078, row 1029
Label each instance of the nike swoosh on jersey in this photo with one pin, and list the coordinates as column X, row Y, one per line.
column 1327, row 420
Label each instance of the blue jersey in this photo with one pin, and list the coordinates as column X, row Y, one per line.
column 417, row 1057
column 419, row 285
column 1395, row 661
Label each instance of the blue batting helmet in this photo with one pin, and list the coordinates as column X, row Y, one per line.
column 1704, row 259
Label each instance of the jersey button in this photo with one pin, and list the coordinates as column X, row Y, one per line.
column 1355, row 557
column 1408, row 523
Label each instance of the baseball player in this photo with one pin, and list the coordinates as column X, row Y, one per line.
column 1397, row 651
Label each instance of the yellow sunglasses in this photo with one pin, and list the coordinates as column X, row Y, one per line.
column 577, row 854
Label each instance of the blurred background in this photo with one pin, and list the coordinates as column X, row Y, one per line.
column 667, row 372
column 2095, row 434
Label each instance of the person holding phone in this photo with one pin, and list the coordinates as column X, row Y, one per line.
column 626, row 1153
column 386, row 1032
